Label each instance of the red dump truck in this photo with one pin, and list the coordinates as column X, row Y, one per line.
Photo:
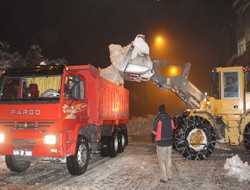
column 55, row 112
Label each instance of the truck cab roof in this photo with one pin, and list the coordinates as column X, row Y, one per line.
column 33, row 70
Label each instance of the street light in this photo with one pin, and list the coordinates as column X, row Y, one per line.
column 158, row 49
column 159, row 41
column 173, row 71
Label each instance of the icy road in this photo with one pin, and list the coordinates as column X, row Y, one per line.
column 136, row 168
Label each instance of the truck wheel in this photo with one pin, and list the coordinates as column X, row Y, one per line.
column 196, row 138
column 16, row 165
column 113, row 145
column 121, row 143
column 78, row 163
column 246, row 137
column 104, row 147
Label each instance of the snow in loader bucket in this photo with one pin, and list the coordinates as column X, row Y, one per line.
column 136, row 64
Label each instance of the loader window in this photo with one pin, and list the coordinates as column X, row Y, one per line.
column 215, row 85
column 230, row 84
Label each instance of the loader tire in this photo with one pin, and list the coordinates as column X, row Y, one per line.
column 78, row 163
column 16, row 165
column 196, row 138
column 246, row 137
column 179, row 139
column 113, row 143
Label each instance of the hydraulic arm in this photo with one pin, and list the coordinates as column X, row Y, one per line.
column 137, row 66
column 179, row 85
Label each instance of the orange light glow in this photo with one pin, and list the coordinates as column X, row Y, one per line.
column 159, row 40
column 173, row 70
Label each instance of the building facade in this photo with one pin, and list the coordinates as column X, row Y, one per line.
column 242, row 33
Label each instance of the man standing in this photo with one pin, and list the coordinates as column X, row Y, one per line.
column 162, row 133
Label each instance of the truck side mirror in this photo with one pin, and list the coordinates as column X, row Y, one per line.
column 76, row 88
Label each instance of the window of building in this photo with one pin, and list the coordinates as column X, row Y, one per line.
column 241, row 46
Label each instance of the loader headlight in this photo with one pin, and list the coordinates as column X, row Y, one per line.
column 50, row 139
column 1, row 137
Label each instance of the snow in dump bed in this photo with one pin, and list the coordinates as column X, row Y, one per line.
column 236, row 168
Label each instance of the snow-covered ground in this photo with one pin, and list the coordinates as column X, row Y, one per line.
column 137, row 168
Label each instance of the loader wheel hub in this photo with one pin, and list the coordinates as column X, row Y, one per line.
column 197, row 139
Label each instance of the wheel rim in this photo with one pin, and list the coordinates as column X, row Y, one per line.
column 82, row 155
column 197, row 139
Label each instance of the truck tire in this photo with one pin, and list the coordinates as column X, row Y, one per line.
column 196, row 139
column 246, row 137
column 16, row 165
column 122, row 142
column 78, row 163
column 113, row 145
column 104, row 146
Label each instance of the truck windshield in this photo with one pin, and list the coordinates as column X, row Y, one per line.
column 44, row 87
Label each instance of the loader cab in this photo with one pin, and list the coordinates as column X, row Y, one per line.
column 228, row 90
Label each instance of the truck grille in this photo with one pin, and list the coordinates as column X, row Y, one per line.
column 27, row 125
column 23, row 141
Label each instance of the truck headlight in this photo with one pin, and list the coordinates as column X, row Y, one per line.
column 1, row 138
column 49, row 139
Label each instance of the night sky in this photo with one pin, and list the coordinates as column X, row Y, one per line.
column 81, row 30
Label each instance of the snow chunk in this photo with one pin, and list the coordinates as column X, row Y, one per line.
column 110, row 73
column 117, row 53
column 140, row 47
column 236, row 168
column 141, row 126
column 131, row 62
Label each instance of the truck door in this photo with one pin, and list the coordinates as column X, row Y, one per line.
column 74, row 98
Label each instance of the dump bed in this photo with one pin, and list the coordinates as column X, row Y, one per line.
column 107, row 102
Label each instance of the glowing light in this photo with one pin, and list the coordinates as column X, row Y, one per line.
column 1, row 138
column 50, row 139
column 173, row 71
column 159, row 39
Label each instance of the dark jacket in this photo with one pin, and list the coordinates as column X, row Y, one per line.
column 162, row 130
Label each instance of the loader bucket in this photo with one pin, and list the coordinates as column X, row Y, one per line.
column 136, row 65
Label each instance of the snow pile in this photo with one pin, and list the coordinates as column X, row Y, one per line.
column 117, row 53
column 140, row 126
column 236, row 168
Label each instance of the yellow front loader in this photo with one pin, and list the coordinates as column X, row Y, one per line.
column 224, row 116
